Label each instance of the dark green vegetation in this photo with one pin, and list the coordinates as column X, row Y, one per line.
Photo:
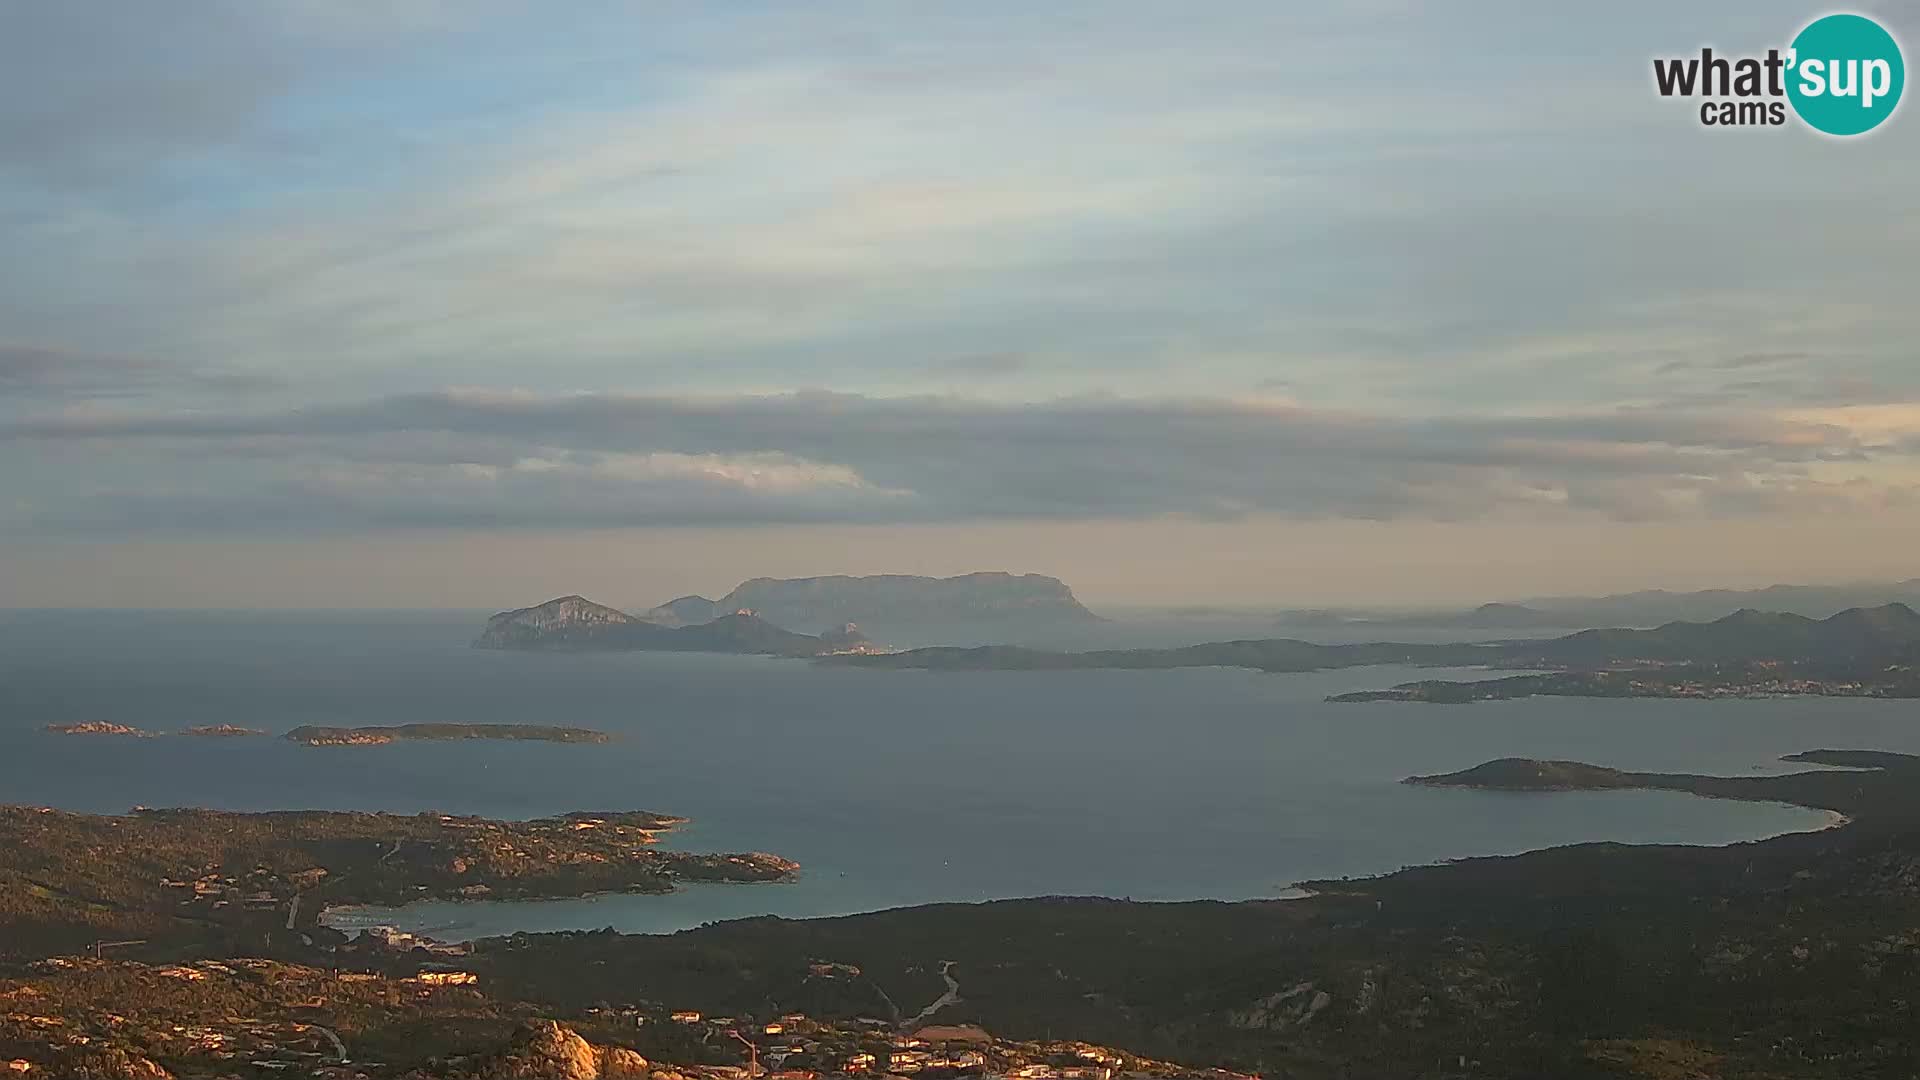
column 1793, row 957
column 204, row 880
column 372, row 736
column 576, row 624
column 1530, row 774
column 88, row 1019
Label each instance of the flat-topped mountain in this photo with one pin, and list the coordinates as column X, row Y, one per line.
column 889, row 600
column 574, row 623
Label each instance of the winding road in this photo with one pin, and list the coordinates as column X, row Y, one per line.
column 339, row 1048
column 951, row 997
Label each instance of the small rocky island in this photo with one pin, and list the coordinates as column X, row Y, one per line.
column 97, row 727
column 221, row 731
column 312, row 735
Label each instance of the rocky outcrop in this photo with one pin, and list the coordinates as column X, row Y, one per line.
column 1293, row 1007
column 107, row 1064
column 545, row 1050
column 96, row 727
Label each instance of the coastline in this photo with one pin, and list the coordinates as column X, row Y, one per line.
column 431, row 917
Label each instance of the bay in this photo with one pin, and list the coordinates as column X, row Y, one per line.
column 890, row 788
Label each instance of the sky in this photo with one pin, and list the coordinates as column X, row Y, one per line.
column 436, row 304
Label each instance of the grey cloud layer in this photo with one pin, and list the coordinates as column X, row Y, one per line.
column 842, row 196
column 37, row 372
column 481, row 459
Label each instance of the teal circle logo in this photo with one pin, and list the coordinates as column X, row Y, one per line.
column 1845, row 74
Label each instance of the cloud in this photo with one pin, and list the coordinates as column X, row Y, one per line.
column 630, row 196
column 29, row 372
column 95, row 93
column 479, row 458
column 984, row 365
column 561, row 489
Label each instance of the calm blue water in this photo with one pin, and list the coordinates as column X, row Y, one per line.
column 890, row 787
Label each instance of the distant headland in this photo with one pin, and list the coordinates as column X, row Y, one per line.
column 1859, row 652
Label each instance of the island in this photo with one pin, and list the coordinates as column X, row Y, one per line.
column 906, row 604
column 221, row 731
column 314, row 735
column 576, row 624
column 97, row 727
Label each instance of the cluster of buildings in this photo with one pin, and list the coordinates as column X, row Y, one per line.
column 797, row 1047
column 259, row 889
column 1749, row 686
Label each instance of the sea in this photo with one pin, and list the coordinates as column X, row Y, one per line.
column 890, row 788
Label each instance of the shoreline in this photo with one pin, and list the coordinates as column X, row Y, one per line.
column 1306, row 889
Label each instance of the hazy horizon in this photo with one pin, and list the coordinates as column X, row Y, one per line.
column 197, row 575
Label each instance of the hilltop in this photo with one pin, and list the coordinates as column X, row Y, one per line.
column 1652, row 606
column 1888, row 632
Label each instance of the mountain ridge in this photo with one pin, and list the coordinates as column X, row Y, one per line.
column 575, row 624
column 808, row 604
column 1857, row 636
